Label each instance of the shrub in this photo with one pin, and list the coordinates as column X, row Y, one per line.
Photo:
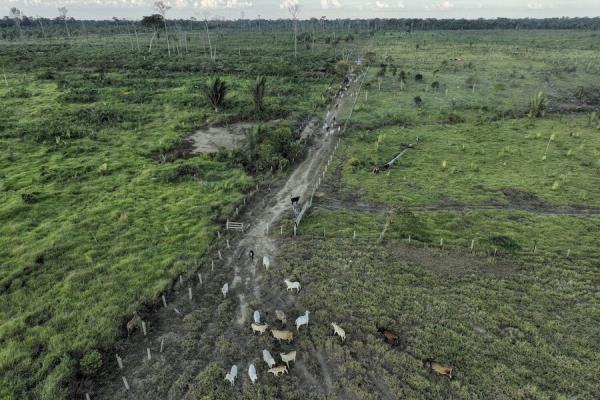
column 537, row 106
column 418, row 101
column 419, row 77
column 91, row 363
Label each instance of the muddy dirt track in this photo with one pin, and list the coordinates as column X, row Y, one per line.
column 210, row 332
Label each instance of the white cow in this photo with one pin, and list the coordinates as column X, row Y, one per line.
column 268, row 358
column 231, row 375
column 252, row 373
column 266, row 262
column 257, row 317
column 292, row 285
column 286, row 358
column 337, row 330
column 302, row 320
column 225, row 289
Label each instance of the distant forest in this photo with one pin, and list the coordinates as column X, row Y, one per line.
column 19, row 26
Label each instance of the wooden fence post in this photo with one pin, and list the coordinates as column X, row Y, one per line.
column 294, row 230
column 164, row 300
column 149, row 355
column 354, row 235
column 472, row 244
column 568, row 252
column 190, row 293
column 228, row 244
column 212, row 265
column 200, row 278
column 162, row 344
column 144, row 328
column 119, row 362
column 220, row 256
column 87, row 396
column 125, row 383
column 181, row 279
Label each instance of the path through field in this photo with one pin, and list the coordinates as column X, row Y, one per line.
column 209, row 333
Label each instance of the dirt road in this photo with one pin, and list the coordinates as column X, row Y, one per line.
column 207, row 334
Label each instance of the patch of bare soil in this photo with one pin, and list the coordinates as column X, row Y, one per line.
column 212, row 139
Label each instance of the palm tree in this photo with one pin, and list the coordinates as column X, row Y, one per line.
column 257, row 90
column 215, row 91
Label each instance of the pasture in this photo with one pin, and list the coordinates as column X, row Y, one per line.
column 477, row 249
column 102, row 203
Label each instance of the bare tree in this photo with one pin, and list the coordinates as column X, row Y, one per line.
column 39, row 19
column 213, row 55
column 62, row 15
column 161, row 7
column 17, row 16
column 294, row 9
column 154, row 22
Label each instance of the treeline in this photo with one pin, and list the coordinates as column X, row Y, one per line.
column 14, row 27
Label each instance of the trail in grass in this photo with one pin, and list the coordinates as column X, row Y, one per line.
column 209, row 328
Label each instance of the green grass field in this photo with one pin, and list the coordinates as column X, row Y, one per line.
column 517, row 316
column 99, row 213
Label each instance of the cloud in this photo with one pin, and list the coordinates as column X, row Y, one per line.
column 330, row 4
column 212, row 4
column 382, row 4
column 401, row 4
column 440, row 6
column 288, row 3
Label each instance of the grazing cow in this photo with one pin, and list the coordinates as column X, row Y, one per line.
column 252, row 255
column 302, row 320
column 266, row 262
column 259, row 328
column 390, row 337
column 133, row 323
column 286, row 358
column 295, row 200
column 292, row 285
column 225, row 289
column 278, row 370
column 268, row 358
column 440, row 369
column 338, row 331
column 280, row 316
column 252, row 373
column 283, row 335
column 257, row 317
column 231, row 375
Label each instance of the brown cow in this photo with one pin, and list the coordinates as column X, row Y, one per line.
column 390, row 337
column 133, row 323
column 440, row 369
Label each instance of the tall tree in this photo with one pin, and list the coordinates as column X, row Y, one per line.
column 161, row 7
column 294, row 9
column 17, row 16
column 62, row 15
column 153, row 22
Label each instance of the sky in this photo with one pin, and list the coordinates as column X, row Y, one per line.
column 233, row 9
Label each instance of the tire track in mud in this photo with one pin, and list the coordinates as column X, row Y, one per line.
column 195, row 333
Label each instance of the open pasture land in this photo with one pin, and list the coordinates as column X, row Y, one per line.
column 102, row 205
column 518, row 315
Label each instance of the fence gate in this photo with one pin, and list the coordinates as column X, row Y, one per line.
column 235, row 226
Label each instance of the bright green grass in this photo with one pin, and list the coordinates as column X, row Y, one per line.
column 112, row 222
column 554, row 161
